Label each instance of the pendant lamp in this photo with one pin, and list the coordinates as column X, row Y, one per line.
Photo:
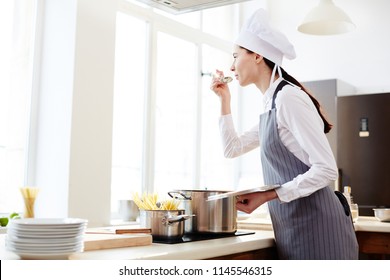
column 326, row 19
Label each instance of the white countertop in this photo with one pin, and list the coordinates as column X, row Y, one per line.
column 371, row 224
column 363, row 223
column 262, row 238
column 184, row 251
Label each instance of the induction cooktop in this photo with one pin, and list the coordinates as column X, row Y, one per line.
column 200, row 237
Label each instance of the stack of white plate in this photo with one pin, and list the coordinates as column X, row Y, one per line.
column 45, row 238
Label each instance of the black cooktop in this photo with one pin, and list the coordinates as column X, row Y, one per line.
column 199, row 237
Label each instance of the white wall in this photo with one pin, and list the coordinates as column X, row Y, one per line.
column 360, row 58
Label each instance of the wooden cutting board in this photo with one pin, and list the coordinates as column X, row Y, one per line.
column 108, row 241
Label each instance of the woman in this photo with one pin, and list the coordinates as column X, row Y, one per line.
column 307, row 217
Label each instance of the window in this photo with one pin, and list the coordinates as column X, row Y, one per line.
column 16, row 51
column 176, row 115
column 165, row 131
column 129, row 97
column 216, row 171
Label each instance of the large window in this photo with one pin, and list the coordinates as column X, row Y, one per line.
column 129, row 107
column 176, row 115
column 166, row 133
column 165, row 119
column 216, row 172
column 16, row 50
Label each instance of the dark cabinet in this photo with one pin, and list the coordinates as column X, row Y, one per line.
column 363, row 152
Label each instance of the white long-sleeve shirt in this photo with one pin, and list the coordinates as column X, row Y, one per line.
column 301, row 130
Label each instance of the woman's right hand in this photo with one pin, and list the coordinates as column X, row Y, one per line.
column 247, row 203
column 222, row 90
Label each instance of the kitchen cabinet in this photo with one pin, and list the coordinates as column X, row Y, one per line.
column 261, row 254
column 363, row 153
column 373, row 238
column 374, row 245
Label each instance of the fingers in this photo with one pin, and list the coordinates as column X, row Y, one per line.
column 242, row 200
column 219, row 73
column 247, row 203
column 217, row 83
column 244, row 208
column 242, row 205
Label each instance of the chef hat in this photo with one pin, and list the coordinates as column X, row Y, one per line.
column 258, row 36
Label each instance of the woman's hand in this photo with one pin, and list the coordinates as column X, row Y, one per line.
column 222, row 90
column 247, row 203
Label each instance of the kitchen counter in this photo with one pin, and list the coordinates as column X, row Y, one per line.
column 371, row 224
column 186, row 251
column 208, row 249
column 373, row 237
column 363, row 223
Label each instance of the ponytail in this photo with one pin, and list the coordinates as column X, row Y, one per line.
column 327, row 125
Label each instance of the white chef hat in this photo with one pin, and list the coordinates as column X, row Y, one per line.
column 258, row 36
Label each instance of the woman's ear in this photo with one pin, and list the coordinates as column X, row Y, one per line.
column 258, row 58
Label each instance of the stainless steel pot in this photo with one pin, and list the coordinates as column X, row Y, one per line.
column 164, row 224
column 217, row 216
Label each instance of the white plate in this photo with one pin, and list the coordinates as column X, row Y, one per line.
column 241, row 192
column 46, row 232
column 41, row 248
column 35, row 244
column 47, row 228
column 45, row 256
column 54, row 240
column 44, row 238
column 52, row 222
column 17, row 249
column 49, row 237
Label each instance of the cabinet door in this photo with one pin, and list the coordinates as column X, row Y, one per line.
column 363, row 149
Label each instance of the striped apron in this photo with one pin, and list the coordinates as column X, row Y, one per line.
column 312, row 227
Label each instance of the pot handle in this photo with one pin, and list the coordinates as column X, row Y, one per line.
column 182, row 196
column 168, row 220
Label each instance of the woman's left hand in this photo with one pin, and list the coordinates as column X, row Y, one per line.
column 247, row 203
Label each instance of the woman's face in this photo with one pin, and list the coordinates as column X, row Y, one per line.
column 245, row 66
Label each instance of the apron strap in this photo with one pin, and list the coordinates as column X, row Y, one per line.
column 278, row 88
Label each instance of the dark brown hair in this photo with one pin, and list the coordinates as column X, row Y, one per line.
column 327, row 125
column 289, row 78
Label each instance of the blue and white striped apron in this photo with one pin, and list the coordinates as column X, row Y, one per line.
column 312, row 227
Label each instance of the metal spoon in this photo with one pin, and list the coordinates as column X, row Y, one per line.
column 226, row 79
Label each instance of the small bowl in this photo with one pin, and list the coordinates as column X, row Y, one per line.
column 382, row 214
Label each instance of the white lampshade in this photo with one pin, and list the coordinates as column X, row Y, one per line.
column 326, row 19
